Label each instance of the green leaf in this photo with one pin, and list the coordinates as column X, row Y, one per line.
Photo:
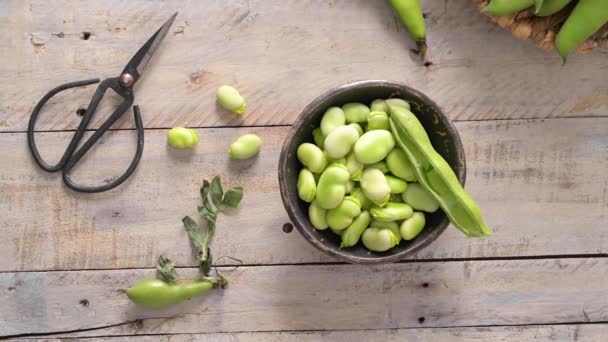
column 232, row 198
column 166, row 269
column 216, row 191
column 197, row 237
column 205, row 190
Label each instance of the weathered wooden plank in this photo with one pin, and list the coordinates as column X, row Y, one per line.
column 280, row 54
column 321, row 297
column 553, row 333
column 541, row 185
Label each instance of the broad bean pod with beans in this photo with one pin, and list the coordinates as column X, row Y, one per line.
column 374, row 188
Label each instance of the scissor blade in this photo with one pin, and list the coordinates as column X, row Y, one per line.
column 141, row 59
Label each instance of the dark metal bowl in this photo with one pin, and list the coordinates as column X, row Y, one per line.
column 440, row 129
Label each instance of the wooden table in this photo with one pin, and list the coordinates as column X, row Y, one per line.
column 535, row 135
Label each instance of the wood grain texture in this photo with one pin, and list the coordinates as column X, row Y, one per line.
column 541, row 185
column 553, row 333
column 320, row 297
column 281, row 55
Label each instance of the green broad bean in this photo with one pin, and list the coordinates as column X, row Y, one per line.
column 357, row 127
column 353, row 233
column 332, row 119
column 331, row 160
column 182, row 138
column 379, row 104
column 312, row 157
column 317, row 216
column 344, row 214
column 400, row 166
column 505, row 7
column 359, row 195
column 319, row 138
column 411, row 227
column 245, row 147
column 397, row 103
column 391, row 212
column 355, row 112
column 397, row 185
column 419, row 198
column 332, row 186
column 375, row 187
column 392, row 226
column 350, row 185
column 340, row 141
column 435, row 174
column 381, row 165
column 229, row 98
column 307, row 186
column 379, row 240
column 338, row 232
column 155, row 293
column 355, row 168
column 373, row 146
column 377, row 120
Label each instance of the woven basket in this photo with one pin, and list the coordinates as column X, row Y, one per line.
column 542, row 30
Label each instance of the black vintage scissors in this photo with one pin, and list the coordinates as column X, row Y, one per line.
column 123, row 86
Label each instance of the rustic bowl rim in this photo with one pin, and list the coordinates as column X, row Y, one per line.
column 302, row 119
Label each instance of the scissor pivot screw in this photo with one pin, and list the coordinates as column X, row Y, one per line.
column 126, row 80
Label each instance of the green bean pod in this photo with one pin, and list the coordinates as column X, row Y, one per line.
column 155, row 293
column 397, row 185
column 379, row 240
column 360, row 196
column 420, row 198
column 332, row 186
column 411, row 227
column 377, row 120
column 396, row 102
column 245, row 147
column 381, row 165
column 390, row 225
column 332, row 119
column 354, row 167
column 373, row 146
column 587, row 18
column 410, row 13
column 505, row 7
column 355, row 112
column 353, row 233
column 435, row 174
column 550, row 7
column 340, row 141
column 375, row 187
column 312, row 157
column 317, row 216
column 399, row 165
column 379, row 105
column 319, row 138
column 391, row 212
column 307, row 186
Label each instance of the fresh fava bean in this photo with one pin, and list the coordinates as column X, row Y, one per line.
column 391, row 212
column 392, row 226
column 355, row 168
column 229, row 98
column 411, row 227
column 377, row 120
column 338, row 232
column 379, row 240
column 319, row 138
column 381, row 165
column 317, row 216
column 245, row 147
column 332, row 186
column 373, row 146
column 375, row 187
column 396, row 102
column 400, row 166
column 307, row 186
column 350, row 185
column 365, row 202
column 379, row 104
column 330, row 160
column 355, row 112
column 155, row 293
column 340, row 141
column 397, row 185
column 332, row 119
column 182, row 138
column 587, row 17
column 344, row 214
column 312, row 157
column 353, row 233
column 550, row 7
column 435, row 174
column 357, row 127
column 505, row 7
column 419, row 198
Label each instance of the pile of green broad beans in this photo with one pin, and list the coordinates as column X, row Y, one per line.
column 371, row 174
